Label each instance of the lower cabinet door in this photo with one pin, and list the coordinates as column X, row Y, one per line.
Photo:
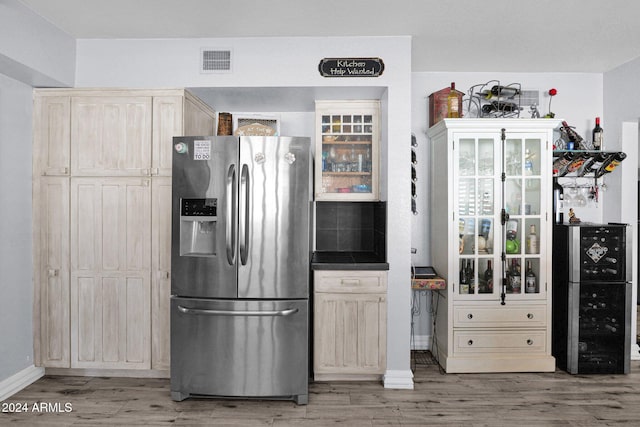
column 349, row 333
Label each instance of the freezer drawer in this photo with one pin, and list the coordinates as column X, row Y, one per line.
column 232, row 348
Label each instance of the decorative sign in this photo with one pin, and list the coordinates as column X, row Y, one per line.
column 351, row 67
column 201, row 149
column 255, row 129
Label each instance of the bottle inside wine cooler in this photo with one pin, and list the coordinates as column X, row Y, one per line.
column 532, row 240
column 531, row 285
column 464, row 277
column 471, row 276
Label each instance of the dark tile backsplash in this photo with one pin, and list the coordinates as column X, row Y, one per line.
column 351, row 226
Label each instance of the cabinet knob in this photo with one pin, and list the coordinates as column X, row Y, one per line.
column 529, row 341
column 469, row 316
column 529, row 315
column 470, row 342
column 52, row 272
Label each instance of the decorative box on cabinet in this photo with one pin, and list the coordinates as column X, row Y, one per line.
column 350, row 324
column 347, row 150
column 487, row 325
column 102, row 298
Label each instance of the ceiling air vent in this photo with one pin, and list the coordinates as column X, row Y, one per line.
column 215, row 60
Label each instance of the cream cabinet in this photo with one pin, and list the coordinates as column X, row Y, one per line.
column 102, row 234
column 490, row 233
column 350, row 324
column 52, row 270
column 347, row 150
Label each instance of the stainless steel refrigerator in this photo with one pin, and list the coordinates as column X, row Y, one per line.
column 240, row 267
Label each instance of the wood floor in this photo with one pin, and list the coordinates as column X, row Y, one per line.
column 438, row 399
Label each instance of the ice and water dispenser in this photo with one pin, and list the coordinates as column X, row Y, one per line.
column 198, row 221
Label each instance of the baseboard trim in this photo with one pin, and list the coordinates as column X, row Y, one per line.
column 20, row 380
column 398, row 379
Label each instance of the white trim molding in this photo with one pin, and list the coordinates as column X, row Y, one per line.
column 20, row 380
column 398, row 379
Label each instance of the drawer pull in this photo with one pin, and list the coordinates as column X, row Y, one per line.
column 470, row 342
column 529, row 341
column 350, row 282
column 530, row 316
column 469, row 316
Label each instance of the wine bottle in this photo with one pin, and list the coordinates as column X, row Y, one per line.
column 611, row 163
column 572, row 135
column 453, row 105
column 530, row 285
column 558, row 201
column 597, row 135
column 488, row 278
column 532, row 240
column 464, row 278
column 516, row 280
column 507, row 91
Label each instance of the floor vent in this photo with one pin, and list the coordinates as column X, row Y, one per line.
column 215, row 61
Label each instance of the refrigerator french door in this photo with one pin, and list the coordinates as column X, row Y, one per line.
column 240, row 267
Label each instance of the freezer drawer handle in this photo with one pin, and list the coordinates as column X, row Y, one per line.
column 272, row 313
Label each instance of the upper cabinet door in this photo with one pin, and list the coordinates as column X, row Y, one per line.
column 52, row 135
column 347, row 150
column 167, row 123
column 111, row 136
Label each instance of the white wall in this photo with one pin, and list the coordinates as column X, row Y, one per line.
column 32, row 53
column 291, row 62
column 16, row 265
column 579, row 101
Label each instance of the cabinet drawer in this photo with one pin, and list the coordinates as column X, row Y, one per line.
column 350, row 281
column 488, row 317
column 522, row 341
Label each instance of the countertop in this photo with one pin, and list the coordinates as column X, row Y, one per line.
column 348, row 261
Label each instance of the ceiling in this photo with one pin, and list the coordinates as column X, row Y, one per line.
column 592, row 36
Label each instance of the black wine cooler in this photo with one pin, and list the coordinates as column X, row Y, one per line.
column 592, row 298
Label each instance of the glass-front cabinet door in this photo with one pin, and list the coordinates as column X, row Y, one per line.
column 477, row 162
column 347, row 136
column 481, row 196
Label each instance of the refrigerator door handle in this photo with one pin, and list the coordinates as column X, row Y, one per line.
column 261, row 313
column 243, row 233
column 231, row 214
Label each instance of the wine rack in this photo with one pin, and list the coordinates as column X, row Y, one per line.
column 493, row 100
column 585, row 163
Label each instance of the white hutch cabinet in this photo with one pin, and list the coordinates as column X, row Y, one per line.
column 491, row 193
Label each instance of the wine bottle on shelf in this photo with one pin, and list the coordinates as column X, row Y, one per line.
column 515, row 279
column 532, row 240
column 597, row 163
column 611, row 163
column 558, row 201
column 464, row 278
column 507, row 91
column 530, row 284
column 573, row 136
column 488, row 278
column 597, row 135
column 453, row 106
